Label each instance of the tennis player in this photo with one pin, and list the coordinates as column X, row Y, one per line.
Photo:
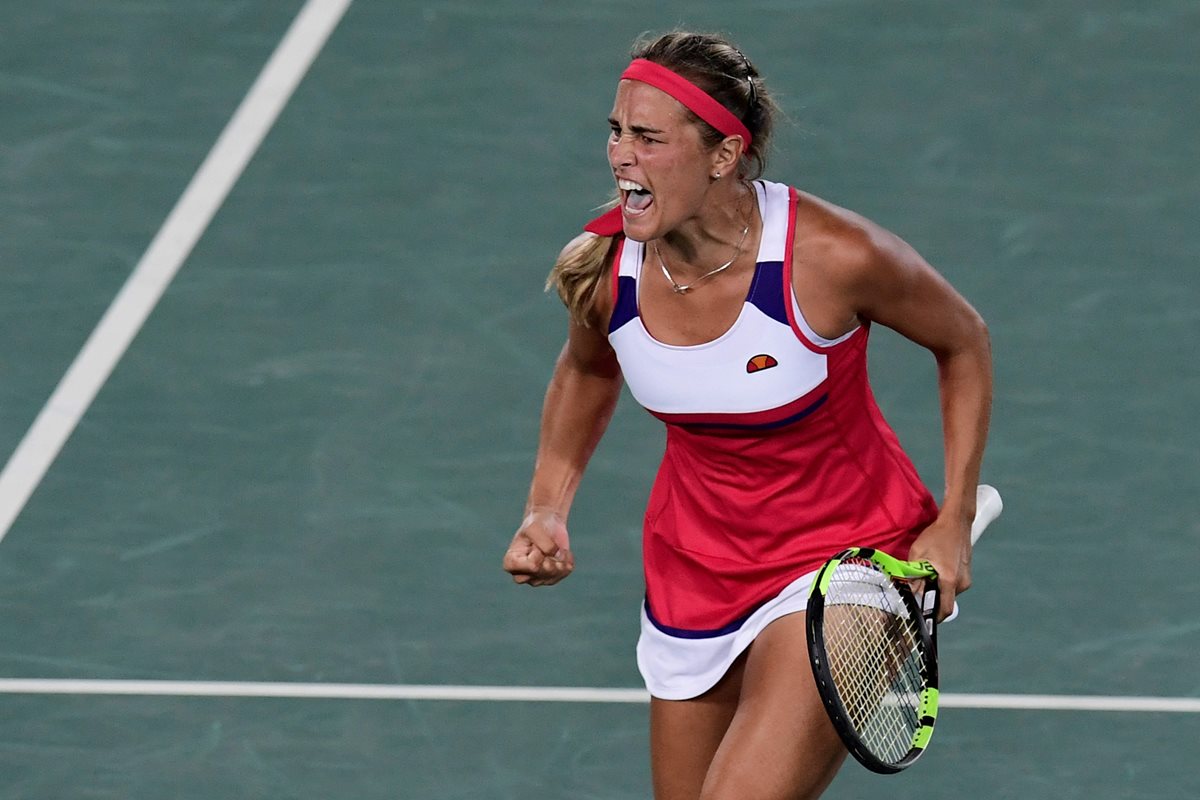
column 738, row 311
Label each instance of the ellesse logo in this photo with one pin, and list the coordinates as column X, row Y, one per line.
column 760, row 362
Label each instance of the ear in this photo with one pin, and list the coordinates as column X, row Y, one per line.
column 727, row 155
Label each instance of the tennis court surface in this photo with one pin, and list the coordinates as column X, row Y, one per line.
column 256, row 553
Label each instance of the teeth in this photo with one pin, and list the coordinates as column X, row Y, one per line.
column 630, row 186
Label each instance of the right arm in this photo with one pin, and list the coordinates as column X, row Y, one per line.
column 579, row 403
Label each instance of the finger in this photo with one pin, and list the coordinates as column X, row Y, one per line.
column 528, row 563
column 542, row 577
column 530, row 566
column 554, row 570
column 946, row 604
column 559, row 559
column 541, row 540
column 514, row 561
column 546, row 578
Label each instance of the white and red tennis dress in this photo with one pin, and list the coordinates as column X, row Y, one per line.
column 776, row 458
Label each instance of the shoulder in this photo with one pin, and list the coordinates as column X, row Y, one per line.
column 846, row 251
column 863, row 269
column 838, row 238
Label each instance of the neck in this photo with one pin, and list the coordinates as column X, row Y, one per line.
column 709, row 237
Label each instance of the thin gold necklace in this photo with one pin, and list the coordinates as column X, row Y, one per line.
column 682, row 288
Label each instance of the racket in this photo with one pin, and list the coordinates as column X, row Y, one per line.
column 873, row 648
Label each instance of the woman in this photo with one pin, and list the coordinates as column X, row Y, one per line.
column 738, row 310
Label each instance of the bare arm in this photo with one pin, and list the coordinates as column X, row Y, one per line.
column 579, row 403
column 881, row 278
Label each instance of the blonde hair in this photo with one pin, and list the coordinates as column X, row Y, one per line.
column 579, row 272
column 721, row 70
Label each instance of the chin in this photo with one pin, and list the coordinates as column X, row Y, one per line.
column 642, row 229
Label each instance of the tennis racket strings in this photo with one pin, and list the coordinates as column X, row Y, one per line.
column 876, row 657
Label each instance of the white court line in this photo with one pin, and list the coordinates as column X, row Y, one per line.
column 538, row 694
column 183, row 227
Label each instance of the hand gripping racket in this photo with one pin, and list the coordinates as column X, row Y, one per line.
column 874, row 650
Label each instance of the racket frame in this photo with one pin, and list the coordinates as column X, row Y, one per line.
column 901, row 572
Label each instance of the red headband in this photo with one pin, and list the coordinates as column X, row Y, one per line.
column 695, row 99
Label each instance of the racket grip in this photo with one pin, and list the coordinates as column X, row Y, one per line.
column 988, row 506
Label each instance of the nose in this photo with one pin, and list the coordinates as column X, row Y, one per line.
column 620, row 151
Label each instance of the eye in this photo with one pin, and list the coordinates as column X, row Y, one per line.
column 648, row 140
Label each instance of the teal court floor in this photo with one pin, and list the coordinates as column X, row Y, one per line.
column 305, row 468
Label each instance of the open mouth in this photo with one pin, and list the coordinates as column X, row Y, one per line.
column 635, row 197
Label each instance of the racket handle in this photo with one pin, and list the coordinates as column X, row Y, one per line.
column 988, row 506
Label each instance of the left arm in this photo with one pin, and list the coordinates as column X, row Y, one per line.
column 891, row 284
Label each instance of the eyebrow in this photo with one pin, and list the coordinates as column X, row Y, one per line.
column 634, row 128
